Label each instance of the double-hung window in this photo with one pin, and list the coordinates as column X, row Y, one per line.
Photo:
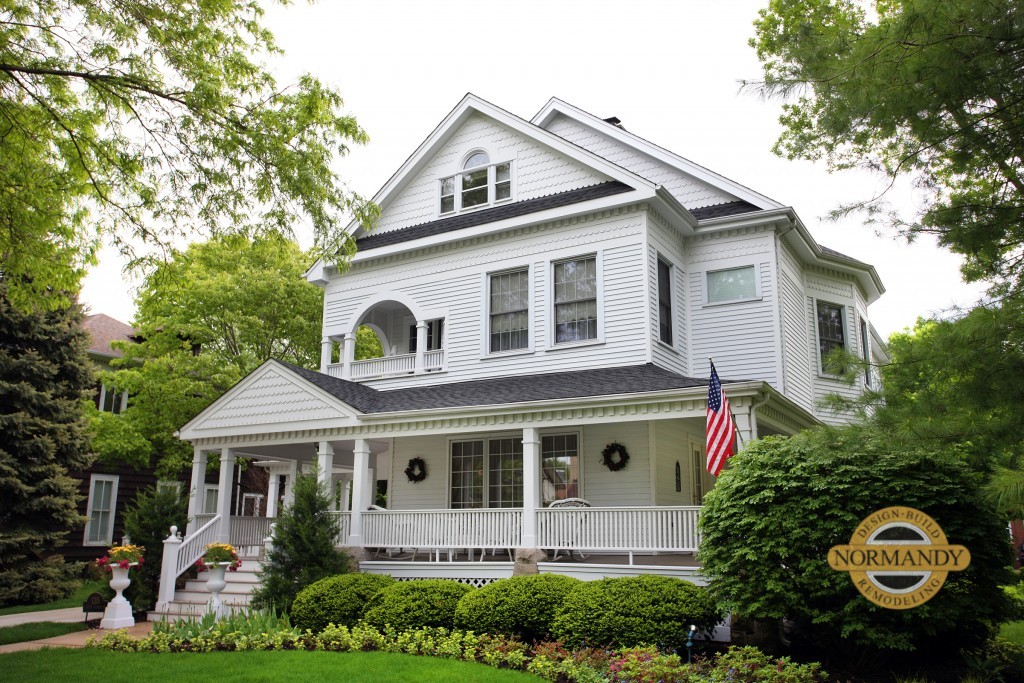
column 109, row 399
column 831, row 330
column 435, row 330
column 99, row 529
column 865, row 351
column 575, row 288
column 664, row 302
column 509, row 309
column 487, row 473
column 481, row 183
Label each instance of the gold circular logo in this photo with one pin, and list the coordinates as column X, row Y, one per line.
column 898, row 558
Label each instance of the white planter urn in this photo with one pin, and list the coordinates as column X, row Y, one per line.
column 118, row 613
column 215, row 583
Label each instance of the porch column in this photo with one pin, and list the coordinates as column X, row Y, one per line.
column 326, row 346
column 289, row 483
column 360, row 496
column 273, row 492
column 421, row 344
column 744, row 424
column 348, row 354
column 195, row 500
column 531, row 486
column 227, row 466
column 325, row 467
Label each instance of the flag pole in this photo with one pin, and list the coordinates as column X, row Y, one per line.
column 735, row 425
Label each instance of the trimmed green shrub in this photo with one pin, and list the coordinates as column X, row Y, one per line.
column 523, row 606
column 416, row 604
column 633, row 610
column 337, row 600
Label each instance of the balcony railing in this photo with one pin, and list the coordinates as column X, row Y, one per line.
column 389, row 366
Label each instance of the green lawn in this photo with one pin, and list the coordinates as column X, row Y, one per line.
column 245, row 667
column 75, row 600
column 37, row 631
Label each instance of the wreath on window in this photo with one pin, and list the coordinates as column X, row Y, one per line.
column 417, row 470
column 614, row 456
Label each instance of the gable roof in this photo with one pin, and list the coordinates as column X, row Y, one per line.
column 513, row 210
column 103, row 330
column 556, row 106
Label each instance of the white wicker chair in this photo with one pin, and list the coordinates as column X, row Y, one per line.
column 570, row 503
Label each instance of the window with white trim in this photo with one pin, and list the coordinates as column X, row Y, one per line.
column 865, row 351
column 560, row 467
column 509, row 310
column 731, row 284
column 831, row 330
column 435, row 330
column 109, row 399
column 481, row 183
column 99, row 529
column 210, row 499
column 575, row 299
column 664, row 302
column 487, row 473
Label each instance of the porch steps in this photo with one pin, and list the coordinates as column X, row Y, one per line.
column 191, row 601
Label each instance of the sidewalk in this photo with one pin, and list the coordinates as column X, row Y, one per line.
column 76, row 639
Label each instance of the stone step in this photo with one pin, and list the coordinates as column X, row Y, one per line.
column 183, row 610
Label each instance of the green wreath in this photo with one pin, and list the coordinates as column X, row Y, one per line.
column 609, row 453
column 417, row 470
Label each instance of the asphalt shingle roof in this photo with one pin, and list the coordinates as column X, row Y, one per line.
column 502, row 390
column 497, row 213
column 727, row 209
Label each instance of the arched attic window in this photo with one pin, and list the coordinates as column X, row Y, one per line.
column 480, row 183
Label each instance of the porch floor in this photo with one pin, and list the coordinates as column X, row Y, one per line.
column 664, row 559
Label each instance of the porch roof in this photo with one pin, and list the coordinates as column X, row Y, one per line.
column 629, row 379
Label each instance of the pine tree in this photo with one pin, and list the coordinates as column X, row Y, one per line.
column 303, row 550
column 44, row 376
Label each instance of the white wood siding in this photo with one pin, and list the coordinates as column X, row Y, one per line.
column 798, row 361
column 432, row 492
column 451, row 283
column 690, row 192
column 537, row 171
column 741, row 336
column 673, row 441
column 628, row 486
column 666, row 242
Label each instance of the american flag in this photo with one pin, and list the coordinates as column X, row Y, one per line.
column 720, row 427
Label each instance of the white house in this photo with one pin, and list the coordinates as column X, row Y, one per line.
column 544, row 290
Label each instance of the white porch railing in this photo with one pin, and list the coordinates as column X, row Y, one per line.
column 497, row 528
column 433, row 360
column 388, row 366
column 192, row 548
column 248, row 533
column 619, row 529
column 344, row 527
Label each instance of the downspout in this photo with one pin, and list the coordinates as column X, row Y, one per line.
column 752, row 413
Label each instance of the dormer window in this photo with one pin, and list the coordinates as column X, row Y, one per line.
column 481, row 183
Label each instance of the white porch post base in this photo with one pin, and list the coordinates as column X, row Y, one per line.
column 168, row 576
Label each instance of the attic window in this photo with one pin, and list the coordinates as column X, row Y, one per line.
column 481, row 183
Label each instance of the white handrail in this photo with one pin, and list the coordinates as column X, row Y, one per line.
column 247, row 533
column 620, row 528
column 344, row 527
column 478, row 528
column 192, row 548
column 387, row 366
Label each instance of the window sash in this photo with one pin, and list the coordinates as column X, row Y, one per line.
column 487, row 473
column 575, row 283
column 831, row 330
column 664, row 302
column 99, row 529
column 560, row 468
column 477, row 186
column 509, row 304
column 731, row 284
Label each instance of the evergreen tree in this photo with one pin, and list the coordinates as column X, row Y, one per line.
column 303, row 550
column 44, row 375
column 148, row 521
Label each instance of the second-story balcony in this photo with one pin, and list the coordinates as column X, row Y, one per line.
column 389, row 366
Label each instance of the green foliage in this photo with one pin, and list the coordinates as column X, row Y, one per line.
column 368, row 344
column 523, row 606
column 929, row 88
column 768, row 524
column 633, row 610
column 127, row 121
column 303, row 549
column 148, row 521
column 207, row 317
column 416, row 604
column 337, row 600
column 750, row 665
column 44, row 376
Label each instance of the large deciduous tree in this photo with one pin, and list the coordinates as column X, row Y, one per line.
column 44, row 377
column 929, row 88
column 206, row 318
column 128, row 120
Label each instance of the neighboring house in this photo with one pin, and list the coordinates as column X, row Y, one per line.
column 104, row 489
column 544, row 291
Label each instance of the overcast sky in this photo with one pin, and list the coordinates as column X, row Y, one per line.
column 671, row 71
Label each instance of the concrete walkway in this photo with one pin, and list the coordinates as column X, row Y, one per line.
column 76, row 639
